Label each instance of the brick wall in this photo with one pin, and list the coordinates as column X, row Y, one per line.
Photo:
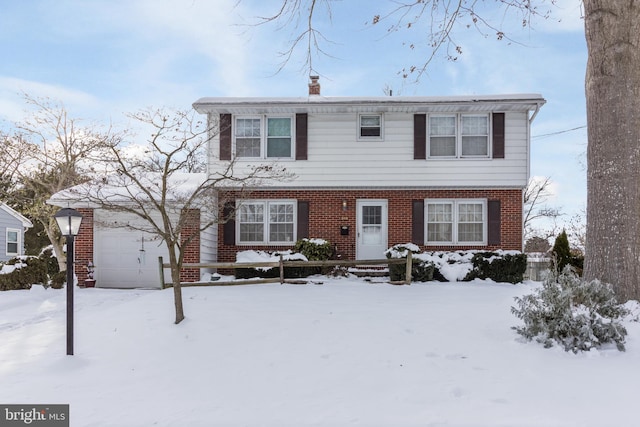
column 192, row 248
column 326, row 216
column 83, row 245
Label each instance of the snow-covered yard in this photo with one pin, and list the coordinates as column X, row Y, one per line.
column 344, row 352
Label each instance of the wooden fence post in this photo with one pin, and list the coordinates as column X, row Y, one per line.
column 408, row 268
column 162, row 284
column 281, row 270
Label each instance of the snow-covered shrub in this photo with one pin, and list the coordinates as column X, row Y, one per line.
column 314, row 250
column 576, row 314
column 268, row 272
column 49, row 258
column 500, row 266
column 421, row 270
column 22, row 272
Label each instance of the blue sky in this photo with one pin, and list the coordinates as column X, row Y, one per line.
column 104, row 58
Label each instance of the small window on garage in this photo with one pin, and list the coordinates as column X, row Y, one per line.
column 370, row 126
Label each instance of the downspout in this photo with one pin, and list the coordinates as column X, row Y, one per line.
column 533, row 116
column 535, row 113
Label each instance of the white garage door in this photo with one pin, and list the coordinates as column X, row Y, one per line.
column 125, row 258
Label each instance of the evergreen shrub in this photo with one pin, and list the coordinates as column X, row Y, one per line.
column 498, row 266
column 576, row 314
column 28, row 271
column 561, row 253
column 421, row 271
column 314, row 250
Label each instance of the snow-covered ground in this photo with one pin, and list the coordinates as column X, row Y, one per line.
column 341, row 353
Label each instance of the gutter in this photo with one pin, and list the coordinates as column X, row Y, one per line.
column 535, row 113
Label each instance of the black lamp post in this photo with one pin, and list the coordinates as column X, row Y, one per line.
column 69, row 222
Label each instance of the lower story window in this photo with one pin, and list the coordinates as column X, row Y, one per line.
column 266, row 222
column 13, row 241
column 456, row 222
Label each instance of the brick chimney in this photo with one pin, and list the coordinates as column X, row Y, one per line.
column 314, row 86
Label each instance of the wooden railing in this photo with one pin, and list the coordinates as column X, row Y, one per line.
column 281, row 264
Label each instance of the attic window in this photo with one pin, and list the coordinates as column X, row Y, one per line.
column 370, row 126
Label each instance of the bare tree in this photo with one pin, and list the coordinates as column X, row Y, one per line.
column 47, row 153
column 156, row 188
column 613, row 101
column 536, row 196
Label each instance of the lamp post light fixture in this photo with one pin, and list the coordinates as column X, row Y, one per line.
column 69, row 223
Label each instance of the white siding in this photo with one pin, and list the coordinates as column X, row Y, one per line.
column 336, row 158
column 208, row 240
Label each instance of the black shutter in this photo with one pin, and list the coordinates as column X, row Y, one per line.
column 417, row 222
column 229, row 226
column 303, row 219
column 498, row 135
column 301, row 136
column 225, row 136
column 419, row 136
column 493, row 222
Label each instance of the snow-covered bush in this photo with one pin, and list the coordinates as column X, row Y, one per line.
column 268, row 272
column 22, row 272
column 456, row 266
column 421, row 270
column 314, row 250
column 576, row 314
column 501, row 266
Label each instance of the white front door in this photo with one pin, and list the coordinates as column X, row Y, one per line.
column 372, row 229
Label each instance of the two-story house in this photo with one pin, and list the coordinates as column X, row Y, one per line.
column 445, row 173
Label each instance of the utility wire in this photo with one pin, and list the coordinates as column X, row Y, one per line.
column 546, row 135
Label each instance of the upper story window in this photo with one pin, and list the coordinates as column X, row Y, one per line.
column 266, row 222
column 456, row 222
column 264, row 137
column 458, row 135
column 370, row 126
column 13, row 241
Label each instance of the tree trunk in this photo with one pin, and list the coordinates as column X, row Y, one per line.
column 56, row 243
column 613, row 155
column 177, row 288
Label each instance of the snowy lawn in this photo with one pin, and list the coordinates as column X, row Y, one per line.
column 344, row 353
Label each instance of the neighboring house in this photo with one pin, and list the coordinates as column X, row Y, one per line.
column 446, row 173
column 12, row 228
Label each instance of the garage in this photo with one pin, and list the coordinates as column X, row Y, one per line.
column 125, row 258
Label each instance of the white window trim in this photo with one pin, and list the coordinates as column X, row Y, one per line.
column 19, row 241
column 265, row 231
column 370, row 138
column 454, row 233
column 458, row 135
column 263, row 135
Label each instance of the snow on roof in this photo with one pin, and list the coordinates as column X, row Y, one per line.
column 179, row 184
column 507, row 102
